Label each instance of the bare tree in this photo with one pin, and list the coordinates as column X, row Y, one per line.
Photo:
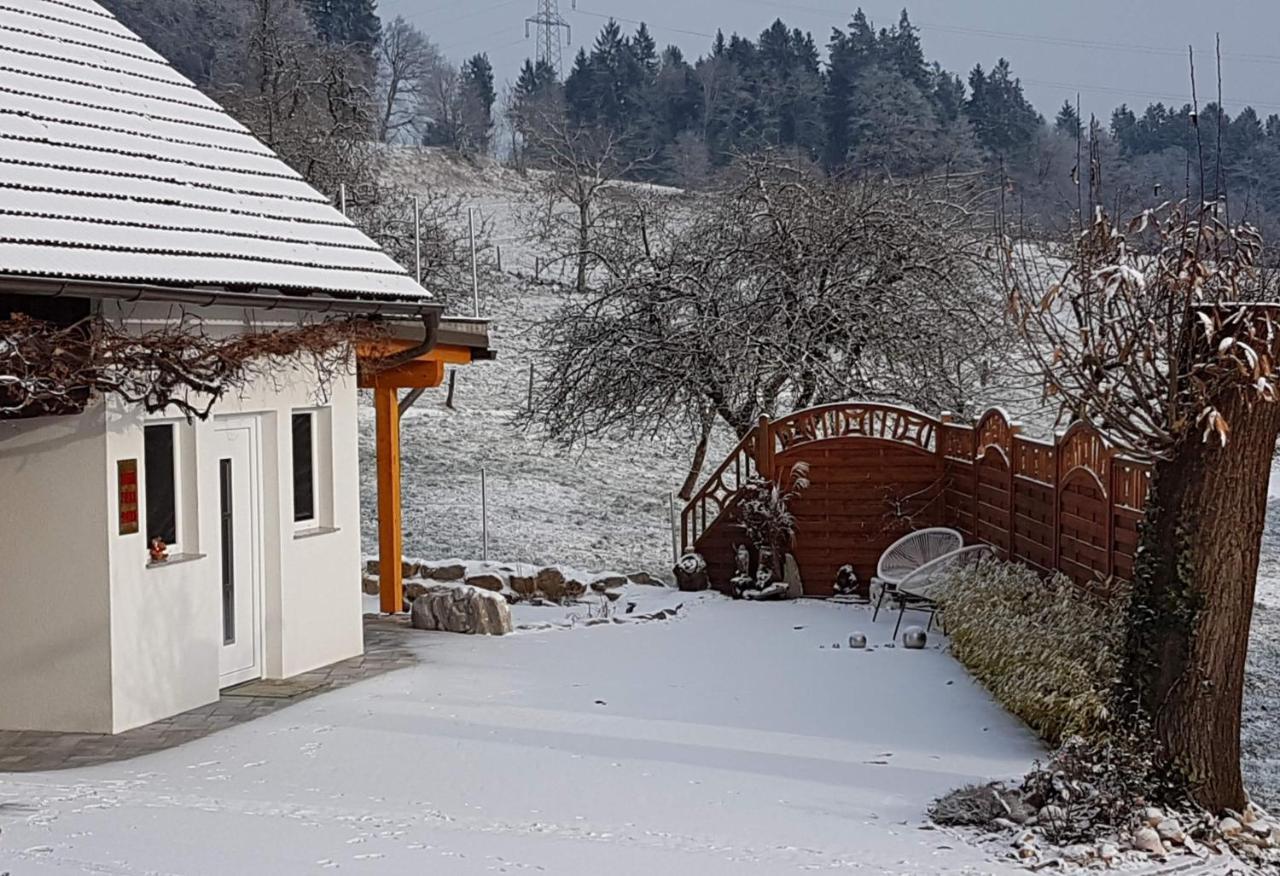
column 309, row 100
column 385, row 212
column 781, row 290
column 582, row 164
column 1144, row 335
column 407, row 62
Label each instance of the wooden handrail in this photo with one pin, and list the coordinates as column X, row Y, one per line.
column 742, row 459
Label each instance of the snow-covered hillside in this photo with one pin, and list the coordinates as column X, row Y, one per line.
column 603, row 506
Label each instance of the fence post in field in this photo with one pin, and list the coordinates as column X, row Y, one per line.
column 484, row 518
column 675, row 536
column 417, row 240
column 475, row 274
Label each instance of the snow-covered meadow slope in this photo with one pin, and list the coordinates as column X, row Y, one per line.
column 605, row 506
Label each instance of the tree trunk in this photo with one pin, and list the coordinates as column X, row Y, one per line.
column 584, row 240
column 1192, row 602
column 699, row 457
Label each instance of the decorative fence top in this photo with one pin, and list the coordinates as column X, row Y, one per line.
column 854, row 420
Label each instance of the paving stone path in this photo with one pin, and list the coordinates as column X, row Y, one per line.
column 24, row 751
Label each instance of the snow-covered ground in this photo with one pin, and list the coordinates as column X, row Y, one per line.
column 1261, row 730
column 734, row 739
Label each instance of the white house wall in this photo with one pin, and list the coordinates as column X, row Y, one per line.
column 166, row 619
column 94, row 639
column 55, row 648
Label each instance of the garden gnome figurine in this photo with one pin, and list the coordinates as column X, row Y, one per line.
column 742, row 580
column 159, row 550
column 691, row 572
column 846, row 581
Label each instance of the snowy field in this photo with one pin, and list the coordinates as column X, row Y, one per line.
column 731, row 740
column 603, row 506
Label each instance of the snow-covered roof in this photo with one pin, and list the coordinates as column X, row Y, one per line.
column 114, row 167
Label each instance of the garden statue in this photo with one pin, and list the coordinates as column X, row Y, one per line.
column 766, row 589
column 914, row 638
column 791, row 575
column 742, row 582
column 846, row 581
column 691, row 572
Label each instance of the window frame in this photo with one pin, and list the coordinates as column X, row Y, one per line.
column 175, row 483
column 313, row 520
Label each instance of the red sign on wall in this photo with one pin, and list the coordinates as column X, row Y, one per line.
column 127, row 490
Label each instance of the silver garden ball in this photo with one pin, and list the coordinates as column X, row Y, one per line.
column 914, row 637
column 857, row 640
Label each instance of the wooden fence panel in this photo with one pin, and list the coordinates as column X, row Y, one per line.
column 863, row 495
column 876, row 471
column 993, row 503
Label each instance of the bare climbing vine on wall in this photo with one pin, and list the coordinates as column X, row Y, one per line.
column 47, row 368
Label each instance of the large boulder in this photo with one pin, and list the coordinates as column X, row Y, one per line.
column 461, row 609
column 371, row 585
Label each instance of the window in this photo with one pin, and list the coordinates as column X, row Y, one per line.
column 304, row 474
column 159, row 467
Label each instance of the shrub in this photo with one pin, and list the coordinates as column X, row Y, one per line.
column 1047, row 651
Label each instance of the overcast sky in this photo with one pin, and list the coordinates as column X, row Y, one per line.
column 1111, row 51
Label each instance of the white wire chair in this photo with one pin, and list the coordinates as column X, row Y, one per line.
column 923, row 589
column 908, row 554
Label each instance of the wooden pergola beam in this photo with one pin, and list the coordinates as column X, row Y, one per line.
column 390, row 532
column 425, row 372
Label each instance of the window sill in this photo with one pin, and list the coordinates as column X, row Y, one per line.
column 314, row 531
column 175, row 560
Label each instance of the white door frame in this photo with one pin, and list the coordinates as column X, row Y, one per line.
column 251, row 424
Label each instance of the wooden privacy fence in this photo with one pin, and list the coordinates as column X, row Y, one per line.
column 878, row 471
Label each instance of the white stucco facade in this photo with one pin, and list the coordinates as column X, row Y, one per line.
column 93, row 636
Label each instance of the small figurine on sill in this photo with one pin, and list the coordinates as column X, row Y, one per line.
column 159, row 550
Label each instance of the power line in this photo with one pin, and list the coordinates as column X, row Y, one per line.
column 638, row 22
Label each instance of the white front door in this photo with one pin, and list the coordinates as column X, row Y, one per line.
column 238, row 546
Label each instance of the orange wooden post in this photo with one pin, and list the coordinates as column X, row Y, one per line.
column 390, row 534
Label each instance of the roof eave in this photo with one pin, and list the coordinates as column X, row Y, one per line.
column 322, row 301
